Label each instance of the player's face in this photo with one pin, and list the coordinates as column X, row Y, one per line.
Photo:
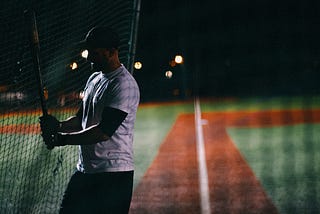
column 97, row 57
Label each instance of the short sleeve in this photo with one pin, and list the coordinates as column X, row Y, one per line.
column 123, row 94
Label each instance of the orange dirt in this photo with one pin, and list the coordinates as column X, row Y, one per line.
column 20, row 129
column 171, row 184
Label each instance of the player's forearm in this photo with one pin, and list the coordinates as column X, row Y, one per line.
column 72, row 124
column 91, row 135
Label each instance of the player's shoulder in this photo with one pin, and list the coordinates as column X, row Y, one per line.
column 123, row 76
column 93, row 75
column 91, row 78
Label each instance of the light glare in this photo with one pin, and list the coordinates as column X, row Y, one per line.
column 168, row 74
column 138, row 65
column 73, row 66
column 84, row 54
column 178, row 59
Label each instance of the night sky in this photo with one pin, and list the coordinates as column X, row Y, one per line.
column 236, row 48
column 230, row 47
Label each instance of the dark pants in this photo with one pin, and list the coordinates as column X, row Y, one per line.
column 108, row 192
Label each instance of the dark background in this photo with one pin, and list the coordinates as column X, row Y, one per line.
column 230, row 47
column 233, row 47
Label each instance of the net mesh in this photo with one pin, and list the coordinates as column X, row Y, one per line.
column 32, row 178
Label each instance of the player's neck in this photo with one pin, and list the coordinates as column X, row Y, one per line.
column 112, row 66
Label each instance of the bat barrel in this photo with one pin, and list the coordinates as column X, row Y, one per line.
column 35, row 50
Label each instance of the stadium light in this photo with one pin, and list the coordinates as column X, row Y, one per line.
column 178, row 59
column 84, row 54
column 168, row 74
column 138, row 65
column 73, row 66
column 81, row 95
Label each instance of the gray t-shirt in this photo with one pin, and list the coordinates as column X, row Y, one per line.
column 118, row 90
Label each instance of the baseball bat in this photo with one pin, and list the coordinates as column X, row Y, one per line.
column 35, row 51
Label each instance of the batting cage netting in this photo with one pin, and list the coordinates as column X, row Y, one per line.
column 33, row 178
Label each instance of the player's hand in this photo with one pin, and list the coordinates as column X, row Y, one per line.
column 49, row 130
column 50, row 139
column 49, row 123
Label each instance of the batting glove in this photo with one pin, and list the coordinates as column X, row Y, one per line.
column 49, row 130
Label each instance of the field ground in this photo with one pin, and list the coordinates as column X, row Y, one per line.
column 262, row 156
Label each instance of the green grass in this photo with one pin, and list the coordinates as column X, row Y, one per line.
column 31, row 175
column 286, row 160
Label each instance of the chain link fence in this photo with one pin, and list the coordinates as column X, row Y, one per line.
column 32, row 178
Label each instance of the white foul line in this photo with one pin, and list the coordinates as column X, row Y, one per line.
column 203, row 174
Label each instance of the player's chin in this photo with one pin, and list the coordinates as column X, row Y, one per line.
column 95, row 67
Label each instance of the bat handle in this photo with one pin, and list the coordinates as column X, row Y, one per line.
column 43, row 105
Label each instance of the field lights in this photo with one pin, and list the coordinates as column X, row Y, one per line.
column 73, row 66
column 84, row 54
column 138, row 65
column 178, row 59
column 168, row 74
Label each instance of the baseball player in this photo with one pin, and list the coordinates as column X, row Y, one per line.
column 103, row 129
